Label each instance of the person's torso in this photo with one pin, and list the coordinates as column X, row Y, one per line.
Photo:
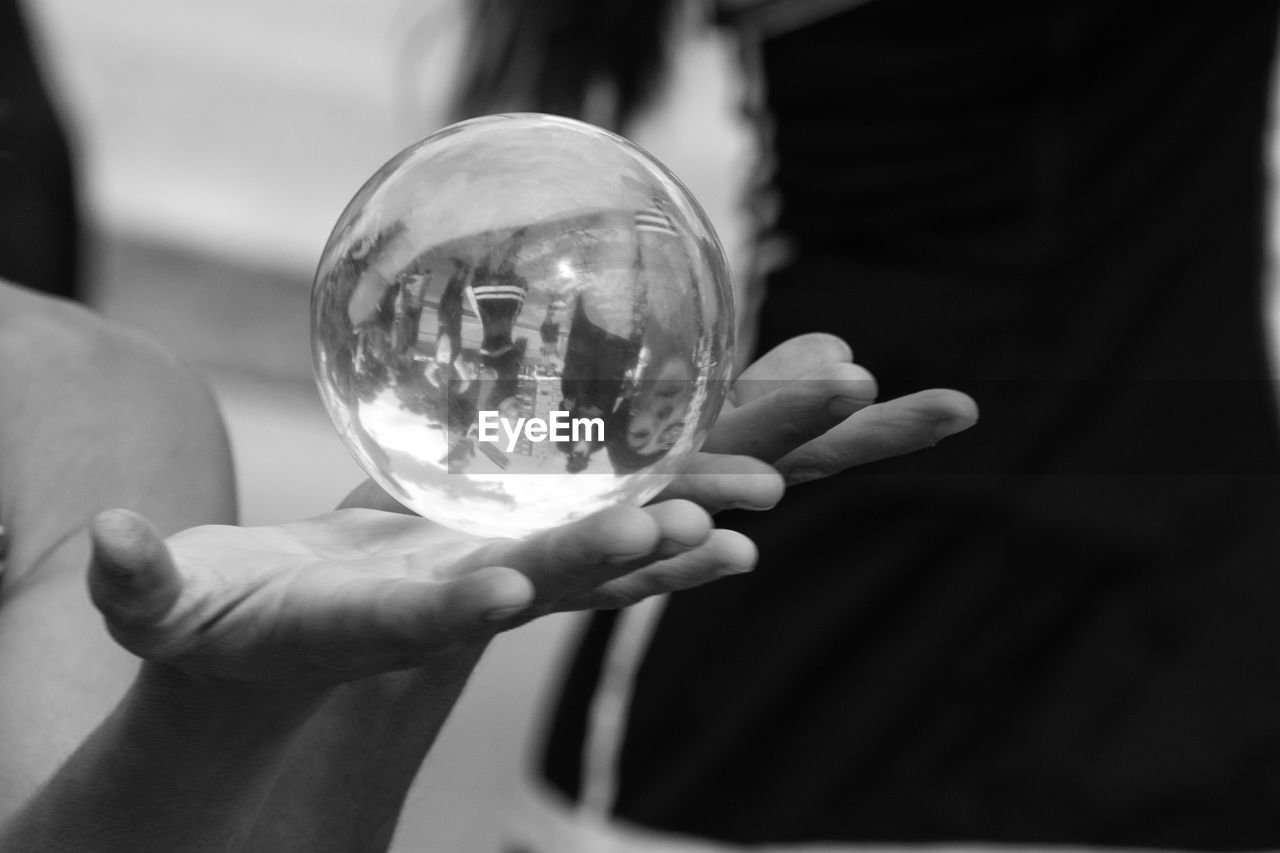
column 1057, row 627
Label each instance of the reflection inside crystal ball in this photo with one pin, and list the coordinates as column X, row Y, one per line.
column 521, row 320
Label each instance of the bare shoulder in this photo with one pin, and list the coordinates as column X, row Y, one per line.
column 98, row 416
column 66, row 372
column 46, row 338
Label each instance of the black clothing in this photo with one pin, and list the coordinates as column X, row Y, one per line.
column 40, row 228
column 596, row 362
column 1060, row 626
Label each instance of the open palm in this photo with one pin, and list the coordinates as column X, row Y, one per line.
column 357, row 592
column 363, row 590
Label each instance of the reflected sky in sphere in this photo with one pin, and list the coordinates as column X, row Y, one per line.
column 520, row 320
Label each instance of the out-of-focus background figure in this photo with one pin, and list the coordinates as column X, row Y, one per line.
column 40, row 230
column 191, row 158
column 1057, row 630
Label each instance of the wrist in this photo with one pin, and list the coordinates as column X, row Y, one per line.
column 435, row 681
column 167, row 699
column 182, row 763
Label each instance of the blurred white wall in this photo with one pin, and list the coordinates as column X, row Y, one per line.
column 241, row 126
column 244, row 126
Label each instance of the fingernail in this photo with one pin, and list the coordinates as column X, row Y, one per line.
column 751, row 506
column 803, row 475
column 944, row 427
column 623, row 560
column 672, row 548
column 730, row 569
column 498, row 614
column 841, row 407
column 123, row 574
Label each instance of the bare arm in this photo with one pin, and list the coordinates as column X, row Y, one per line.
column 95, row 754
column 297, row 674
column 93, row 416
column 803, row 408
column 297, row 653
column 178, row 765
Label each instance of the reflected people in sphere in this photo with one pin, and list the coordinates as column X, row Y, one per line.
column 502, row 283
column 590, row 287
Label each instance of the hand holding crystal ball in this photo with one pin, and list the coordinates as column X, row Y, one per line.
column 521, row 320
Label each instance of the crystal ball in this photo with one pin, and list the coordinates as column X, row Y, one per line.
column 520, row 320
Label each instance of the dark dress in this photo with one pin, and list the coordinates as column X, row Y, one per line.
column 1061, row 626
column 40, row 230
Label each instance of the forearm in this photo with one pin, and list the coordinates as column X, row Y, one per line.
column 344, row 781
column 179, row 765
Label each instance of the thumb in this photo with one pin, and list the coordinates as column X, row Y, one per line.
column 132, row 578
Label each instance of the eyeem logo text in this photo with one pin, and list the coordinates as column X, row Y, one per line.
column 492, row 426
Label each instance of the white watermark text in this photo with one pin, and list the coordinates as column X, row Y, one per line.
column 492, row 427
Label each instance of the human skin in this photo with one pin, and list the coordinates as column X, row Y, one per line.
column 294, row 677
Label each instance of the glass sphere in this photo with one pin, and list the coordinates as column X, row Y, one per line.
column 520, row 320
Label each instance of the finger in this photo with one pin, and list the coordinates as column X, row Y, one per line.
column 387, row 624
column 132, row 577
column 891, row 428
column 421, row 618
column 724, row 554
column 789, row 360
column 683, row 525
column 579, row 556
column 485, row 596
column 369, row 495
column 717, row 482
column 773, row 424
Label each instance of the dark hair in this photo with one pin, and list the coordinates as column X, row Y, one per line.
column 560, row 56
column 625, row 460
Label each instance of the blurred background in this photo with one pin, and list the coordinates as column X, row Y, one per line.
column 217, row 143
